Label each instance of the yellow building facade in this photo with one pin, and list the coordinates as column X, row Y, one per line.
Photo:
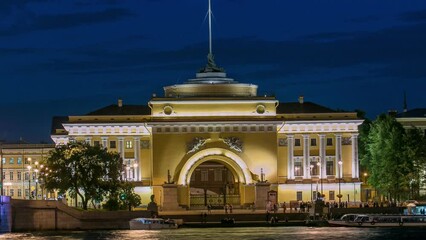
column 270, row 151
column 20, row 164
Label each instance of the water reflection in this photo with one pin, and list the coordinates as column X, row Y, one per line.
column 270, row 233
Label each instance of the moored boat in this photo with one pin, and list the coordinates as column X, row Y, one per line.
column 151, row 223
column 381, row 220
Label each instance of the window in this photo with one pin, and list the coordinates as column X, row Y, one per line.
column 26, row 176
column 129, row 144
column 330, row 166
column 298, row 167
column 12, row 192
column 34, row 176
column 218, row 175
column 11, row 160
column 112, row 144
column 299, row 196
column 4, row 175
column 27, row 193
column 19, row 160
column 19, row 193
column 315, row 169
column 329, row 142
column 26, row 160
column 19, row 175
column 3, row 160
column 297, row 142
column 193, row 177
column 204, row 175
column 313, row 142
column 10, row 175
column 96, row 143
column 315, row 195
column 331, row 195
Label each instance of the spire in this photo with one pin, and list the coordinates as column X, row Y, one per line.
column 405, row 102
column 211, row 65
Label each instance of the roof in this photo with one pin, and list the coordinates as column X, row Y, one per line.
column 306, row 107
column 57, row 124
column 414, row 113
column 123, row 110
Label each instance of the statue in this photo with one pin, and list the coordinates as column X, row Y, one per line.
column 153, row 207
column 211, row 65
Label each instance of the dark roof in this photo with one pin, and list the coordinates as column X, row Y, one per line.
column 124, row 110
column 306, row 107
column 414, row 113
column 57, row 124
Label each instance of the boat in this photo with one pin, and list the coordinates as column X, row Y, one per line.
column 151, row 224
column 380, row 220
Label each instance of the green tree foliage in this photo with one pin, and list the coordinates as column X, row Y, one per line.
column 385, row 155
column 128, row 197
column 416, row 151
column 90, row 172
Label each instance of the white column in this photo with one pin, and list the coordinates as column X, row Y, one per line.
column 137, row 146
column 121, row 147
column 290, row 146
column 89, row 140
column 306, row 163
column 338, row 154
column 355, row 163
column 104, row 142
column 322, row 155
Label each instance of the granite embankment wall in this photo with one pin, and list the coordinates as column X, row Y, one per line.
column 30, row 215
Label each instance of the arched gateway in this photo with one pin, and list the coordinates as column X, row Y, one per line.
column 228, row 174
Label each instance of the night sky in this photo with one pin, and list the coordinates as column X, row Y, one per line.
column 62, row 57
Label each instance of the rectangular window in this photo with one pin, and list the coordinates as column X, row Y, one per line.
column 11, row 161
column 314, row 195
column 26, row 160
column 4, row 175
column 129, row 144
column 19, row 193
column 298, row 167
column 297, row 142
column 26, row 176
column 12, row 192
column 330, row 166
column 34, row 176
column 96, row 143
column 11, row 176
column 313, row 142
column 329, row 142
column 299, row 196
column 3, row 160
column 218, row 175
column 19, row 160
column 315, row 168
column 19, row 175
column 204, row 175
column 27, row 193
column 193, row 177
column 331, row 195
column 112, row 144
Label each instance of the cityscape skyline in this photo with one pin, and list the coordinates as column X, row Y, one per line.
column 71, row 58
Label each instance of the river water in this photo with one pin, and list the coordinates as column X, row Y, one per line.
column 271, row 233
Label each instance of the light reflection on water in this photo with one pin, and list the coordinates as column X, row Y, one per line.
column 268, row 233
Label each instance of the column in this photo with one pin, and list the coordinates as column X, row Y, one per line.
column 322, row 155
column 290, row 146
column 338, row 155
column 355, row 163
column 104, row 142
column 306, row 164
column 88, row 140
column 137, row 146
column 121, row 147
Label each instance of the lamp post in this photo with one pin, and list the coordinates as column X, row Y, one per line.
column 340, row 177
column 36, row 179
column 311, row 167
column 320, row 170
column 29, row 181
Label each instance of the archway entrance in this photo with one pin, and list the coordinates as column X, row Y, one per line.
column 214, row 183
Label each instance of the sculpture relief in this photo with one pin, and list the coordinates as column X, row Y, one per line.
column 346, row 141
column 196, row 144
column 234, row 143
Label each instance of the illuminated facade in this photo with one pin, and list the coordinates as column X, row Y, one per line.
column 20, row 164
column 212, row 140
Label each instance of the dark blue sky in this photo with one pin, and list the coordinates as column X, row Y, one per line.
column 61, row 57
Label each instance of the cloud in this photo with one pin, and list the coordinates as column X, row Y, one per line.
column 34, row 22
column 415, row 16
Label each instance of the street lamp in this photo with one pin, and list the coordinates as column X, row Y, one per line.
column 319, row 165
column 29, row 181
column 311, row 167
column 340, row 177
column 36, row 180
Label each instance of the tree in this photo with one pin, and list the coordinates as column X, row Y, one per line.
column 416, row 152
column 80, row 169
column 386, row 158
column 128, row 197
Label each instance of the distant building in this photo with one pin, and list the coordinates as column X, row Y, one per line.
column 21, row 163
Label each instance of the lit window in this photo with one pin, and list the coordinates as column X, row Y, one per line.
column 330, row 166
column 10, row 175
column 129, row 144
column 3, row 160
column 19, row 193
column 19, row 176
column 299, row 196
column 26, row 176
column 19, row 160
column 11, row 160
column 331, row 195
column 12, row 192
column 298, row 167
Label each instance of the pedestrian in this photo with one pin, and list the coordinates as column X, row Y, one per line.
column 230, row 208
column 226, row 208
column 284, row 207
